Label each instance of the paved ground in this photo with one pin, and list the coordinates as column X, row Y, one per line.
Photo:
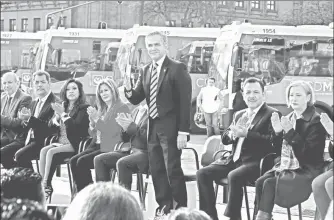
column 62, row 189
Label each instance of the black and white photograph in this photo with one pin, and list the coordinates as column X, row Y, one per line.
column 167, row 110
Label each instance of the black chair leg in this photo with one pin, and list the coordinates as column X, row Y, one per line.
column 37, row 166
column 145, row 187
column 216, row 191
column 141, row 189
column 246, row 201
column 70, row 177
column 225, row 195
column 300, row 211
column 58, row 171
column 289, row 214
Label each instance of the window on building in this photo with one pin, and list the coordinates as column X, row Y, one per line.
column 12, row 24
column 271, row 5
column 24, row 24
column 49, row 23
column 255, row 4
column 2, row 25
column 37, row 24
column 239, row 4
column 222, row 3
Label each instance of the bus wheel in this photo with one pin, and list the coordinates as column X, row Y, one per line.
column 196, row 128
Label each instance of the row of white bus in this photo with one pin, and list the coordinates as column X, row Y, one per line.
column 276, row 54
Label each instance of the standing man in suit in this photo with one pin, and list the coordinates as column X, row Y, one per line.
column 37, row 120
column 166, row 86
column 252, row 137
column 12, row 133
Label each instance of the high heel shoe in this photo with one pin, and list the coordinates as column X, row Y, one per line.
column 48, row 193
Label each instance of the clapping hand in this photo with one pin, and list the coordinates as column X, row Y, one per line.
column 58, row 108
column 124, row 122
column 92, row 113
column 243, row 121
column 327, row 123
column 276, row 123
column 238, row 131
column 24, row 114
column 286, row 124
column 127, row 82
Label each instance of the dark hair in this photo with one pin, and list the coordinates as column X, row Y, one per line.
column 22, row 209
column 254, row 80
column 82, row 96
column 41, row 73
column 22, row 183
column 211, row 78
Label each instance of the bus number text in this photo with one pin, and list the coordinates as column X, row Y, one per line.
column 269, row 31
column 7, row 35
column 76, row 34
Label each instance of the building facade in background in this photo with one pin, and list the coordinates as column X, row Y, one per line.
column 30, row 16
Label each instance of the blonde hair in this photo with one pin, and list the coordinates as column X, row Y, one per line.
column 101, row 105
column 307, row 88
column 104, row 201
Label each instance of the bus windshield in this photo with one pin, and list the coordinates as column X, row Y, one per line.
column 311, row 58
column 17, row 54
column 272, row 57
column 137, row 56
column 74, row 57
column 196, row 58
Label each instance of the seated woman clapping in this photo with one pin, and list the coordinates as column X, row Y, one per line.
column 103, row 128
column 288, row 183
column 72, row 118
column 131, row 159
column 322, row 186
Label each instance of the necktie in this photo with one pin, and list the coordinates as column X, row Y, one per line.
column 38, row 108
column 36, row 114
column 153, row 92
column 9, row 102
column 246, row 122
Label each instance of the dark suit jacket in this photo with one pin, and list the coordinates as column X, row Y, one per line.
column 41, row 125
column 173, row 93
column 77, row 125
column 260, row 140
column 136, row 134
column 308, row 139
column 10, row 124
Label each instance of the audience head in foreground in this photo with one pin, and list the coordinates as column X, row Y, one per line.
column 188, row 214
column 22, row 209
column 22, row 183
column 104, row 201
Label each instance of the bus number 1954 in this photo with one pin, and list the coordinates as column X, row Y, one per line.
column 269, row 31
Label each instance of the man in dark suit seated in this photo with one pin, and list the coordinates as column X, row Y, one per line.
column 133, row 157
column 252, row 137
column 12, row 133
column 37, row 120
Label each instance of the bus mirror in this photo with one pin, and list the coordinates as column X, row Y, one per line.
column 140, row 51
column 234, row 55
column 202, row 56
column 314, row 45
